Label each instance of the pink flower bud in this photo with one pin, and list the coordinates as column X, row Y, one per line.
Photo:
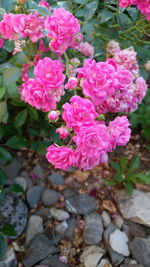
column 86, row 49
column 1, row 42
column 44, row 3
column 63, row 132
column 53, row 115
column 72, row 83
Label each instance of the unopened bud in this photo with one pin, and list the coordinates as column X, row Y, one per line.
column 101, row 117
column 147, row 66
column 53, row 115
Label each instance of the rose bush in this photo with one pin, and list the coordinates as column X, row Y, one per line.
column 47, row 69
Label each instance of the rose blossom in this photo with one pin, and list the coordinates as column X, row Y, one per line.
column 119, row 131
column 50, row 72
column 7, row 27
column 113, row 47
column 62, row 27
column 1, row 42
column 53, row 115
column 126, row 3
column 60, row 157
column 80, row 112
column 86, row 49
column 72, row 83
column 63, row 132
column 36, row 94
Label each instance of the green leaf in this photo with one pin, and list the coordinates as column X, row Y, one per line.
column 5, row 155
column 33, row 113
column 2, row 92
column 3, row 178
column 2, row 195
column 9, row 5
column 133, row 12
column 142, row 178
column 3, row 112
column 109, row 182
column 105, row 15
column 123, row 164
column 9, row 46
column 3, row 246
column 8, row 229
column 123, row 20
column 129, row 187
column 90, row 9
column 134, row 164
column 16, row 188
column 115, row 166
column 42, row 10
column 17, row 142
column 12, row 90
column 2, row 11
column 82, row 2
column 11, row 75
column 20, row 118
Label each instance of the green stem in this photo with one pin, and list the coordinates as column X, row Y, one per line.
column 67, row 64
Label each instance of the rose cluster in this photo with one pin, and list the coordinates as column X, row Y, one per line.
column 47, row 87
column 142, row 5
column 91, row 139
column 114, row 85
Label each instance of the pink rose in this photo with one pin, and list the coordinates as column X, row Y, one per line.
column 63, row 132
column 50, row 72
column 62, row 27
column 80, row 112
column 36, row 94
column 1, row 42
column 126, row 3
column 86, row 49
column 72, row 83
column 44, row 3
column 7, row 27
column 61, row 157
column 53, row 115
column 119, row 131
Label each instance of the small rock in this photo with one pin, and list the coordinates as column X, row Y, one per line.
column 118, row 242
column 14, row 210
column 44, row 213
column 41, row 265
column 58, row 214
column 54, row 261
column 21, row 181
column 134, row 207
column 35, row 226
column 39, row 172
column 10, row 259
column 34, row 195
column 92, row 255
column 132, row 265
column 104, row 263
column 140, row 250
column 106, row 219
column 39, row 248
column 25, row 175
column 61, row 227
column 115, row 257
column 11, row 170
column 49, row 197
column 70, row 232
column 93, row 229
column 56, row 178
column 138, row 230
column 81, row 203
column 71, row 169
column 69, row 192
column 119, row 221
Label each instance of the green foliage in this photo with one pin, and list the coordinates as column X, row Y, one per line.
column 127, row 174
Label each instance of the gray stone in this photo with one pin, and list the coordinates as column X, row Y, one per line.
column 35, row 226
column 34, row 195
column 69, row 192
column 81, row 203
column 119, row 242
column 138, row 230
column 105, row 219
column 91, row 256
column 71, row 169
column 104, row 263
column 39, row 248
column 44, row 213
column 10, row 259
column 56, row 178
column 93, row 229
column 12, row 169
column 59, row 214
column 25, row 175
column 21, row 181
column 134, row 207
column 132, row 265
column 70, row 232
column 115, row 257
column 49, row 197
column 39, row 172
column 61, row 227
column 119, row 221
column 140, row 250
column 54, row 261
column 15, row 211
